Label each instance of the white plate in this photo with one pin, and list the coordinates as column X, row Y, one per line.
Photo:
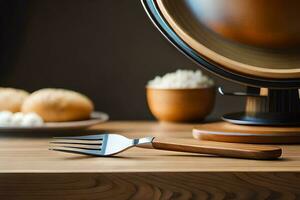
column 96, row 118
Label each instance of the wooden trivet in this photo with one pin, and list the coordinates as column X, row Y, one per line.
column 227, row 132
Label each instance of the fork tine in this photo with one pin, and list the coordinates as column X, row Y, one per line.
column 85, row 137
column 79, row 147
column 82, row 143
column 77, row 151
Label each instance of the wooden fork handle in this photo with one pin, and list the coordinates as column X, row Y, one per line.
column 218, row 148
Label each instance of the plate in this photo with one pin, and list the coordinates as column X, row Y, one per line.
column 96, row 118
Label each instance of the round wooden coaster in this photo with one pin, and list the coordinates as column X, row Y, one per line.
column 227, row 132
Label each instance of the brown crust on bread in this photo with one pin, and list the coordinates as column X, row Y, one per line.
column 58, row 105
column 11, row 99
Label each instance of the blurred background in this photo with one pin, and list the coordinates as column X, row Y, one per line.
column 107, row 50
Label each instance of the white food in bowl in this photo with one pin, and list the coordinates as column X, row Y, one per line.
column 181, row 79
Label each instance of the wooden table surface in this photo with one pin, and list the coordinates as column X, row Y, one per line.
column 28, row 170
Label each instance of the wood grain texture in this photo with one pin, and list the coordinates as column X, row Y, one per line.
column 28, row 153
column 28, row 170
column 151, row 186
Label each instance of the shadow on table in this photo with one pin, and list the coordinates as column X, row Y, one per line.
column 213, row 156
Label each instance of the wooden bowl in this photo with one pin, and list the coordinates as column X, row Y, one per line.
column 181, row 105
column 196, row 25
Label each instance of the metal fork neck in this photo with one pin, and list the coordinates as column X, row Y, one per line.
column 145, row 142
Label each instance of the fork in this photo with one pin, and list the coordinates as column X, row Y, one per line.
column 111, row 144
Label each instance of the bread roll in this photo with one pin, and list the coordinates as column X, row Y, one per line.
column 58, row 105
column 12, row 99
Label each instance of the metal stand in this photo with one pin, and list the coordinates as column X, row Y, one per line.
column 271, row 107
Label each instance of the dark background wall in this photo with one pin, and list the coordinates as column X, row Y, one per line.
column 107, row 49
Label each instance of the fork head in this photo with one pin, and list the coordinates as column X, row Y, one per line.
column 96, row 145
